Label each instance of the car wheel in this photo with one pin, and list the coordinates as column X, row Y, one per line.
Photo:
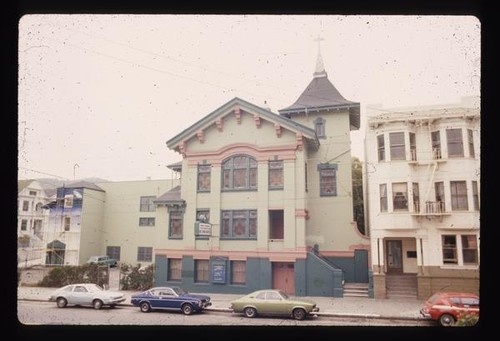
column 61, row 302
column 250, row 312
column 187, row 309
column 446, row 320
column 145, row 307
column 97, row 304
column 299, row 314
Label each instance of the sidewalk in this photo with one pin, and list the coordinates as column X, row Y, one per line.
column 347, row 307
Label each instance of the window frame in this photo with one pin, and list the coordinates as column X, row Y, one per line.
column 148, row 206
column 383, row 199
column 276, row 168
column 113, row 252
column 327, row 171
column 458, row 196
column 148, row 220
column 436, row 144
column 395, row 194
column 320, row 127
column 204, row 170
column 143, row 253
column 174, row 267
column 475, row 249
column 455, row 140
column 238, row 274
column 251, row 173
column 449, row 247
column 250, row 217
column 175, row 215
column 381, row 147
column 475, row 195
column 397, row 147
column 470, row 140
column 201, row 271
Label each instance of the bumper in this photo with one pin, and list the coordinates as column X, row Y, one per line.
column 315, row 310
column 116, row 300
column 425, row 314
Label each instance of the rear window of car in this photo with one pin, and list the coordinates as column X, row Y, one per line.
column 470, row 301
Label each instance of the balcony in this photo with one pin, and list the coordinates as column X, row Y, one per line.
column 430, row 209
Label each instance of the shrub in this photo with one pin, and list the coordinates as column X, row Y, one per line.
column 69, row 274
column 136, row 277
column 467, row 319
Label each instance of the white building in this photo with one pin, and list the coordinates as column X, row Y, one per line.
column 32, row 220
column 422, row 182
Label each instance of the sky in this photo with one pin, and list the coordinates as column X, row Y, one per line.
column 99, row 94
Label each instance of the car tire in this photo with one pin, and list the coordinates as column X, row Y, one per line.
column 97, row 304
column 446, row 320
column 61, row 302
column 299, row 314
column 145, row 307
column 187, row 309
column 250, row 312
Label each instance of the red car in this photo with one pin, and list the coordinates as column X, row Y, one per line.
column 445, row 307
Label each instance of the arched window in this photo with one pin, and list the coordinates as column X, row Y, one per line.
column 239, row 173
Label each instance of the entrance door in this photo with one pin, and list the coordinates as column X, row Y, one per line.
column 284, row 277
column 361, row 266
column 394, row 251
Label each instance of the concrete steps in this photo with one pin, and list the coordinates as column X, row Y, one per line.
column 356, row 290
column 402, row 286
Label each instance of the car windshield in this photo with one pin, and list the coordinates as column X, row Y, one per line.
column 284, row 295
column 179, row 291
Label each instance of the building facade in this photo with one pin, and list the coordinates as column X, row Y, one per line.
column 265, row 199
column 422, row 191
column 32, row 220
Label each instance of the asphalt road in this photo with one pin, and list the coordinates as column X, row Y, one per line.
column 33, row 313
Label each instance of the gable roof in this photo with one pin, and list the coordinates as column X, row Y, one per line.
column 22, row 184
column 225, row 109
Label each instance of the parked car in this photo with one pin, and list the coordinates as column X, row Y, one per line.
column 103, row 260
column 170, row 298
column 445, row 307
column 86, row 294
column 273, row 303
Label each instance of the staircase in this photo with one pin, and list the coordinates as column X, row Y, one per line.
column 401, row 286
column 356, row 290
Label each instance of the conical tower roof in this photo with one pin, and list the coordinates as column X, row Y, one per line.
column 321, row 95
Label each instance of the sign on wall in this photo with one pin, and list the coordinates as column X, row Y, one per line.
column 204, row 229
column 218, row 271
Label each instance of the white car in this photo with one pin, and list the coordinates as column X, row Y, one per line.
column 86, row 294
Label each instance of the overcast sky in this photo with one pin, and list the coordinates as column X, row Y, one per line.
column 99, row 95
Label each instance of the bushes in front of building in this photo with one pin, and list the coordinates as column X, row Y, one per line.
column 70, row 274
column 136, row 277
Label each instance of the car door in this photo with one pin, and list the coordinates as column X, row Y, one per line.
column 274, row 304
column 79, row 295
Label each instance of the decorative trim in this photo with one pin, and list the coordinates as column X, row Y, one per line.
column 237, row 114
column 300, row 141
column 182, row 148
column 201, row 136
column 256, row 118
column 219, row 124
column 277, row 127
column 261, row 154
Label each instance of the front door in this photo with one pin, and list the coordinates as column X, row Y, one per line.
column 284, row 277
column 394, row 251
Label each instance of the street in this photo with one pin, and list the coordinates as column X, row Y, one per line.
column 46, row 313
